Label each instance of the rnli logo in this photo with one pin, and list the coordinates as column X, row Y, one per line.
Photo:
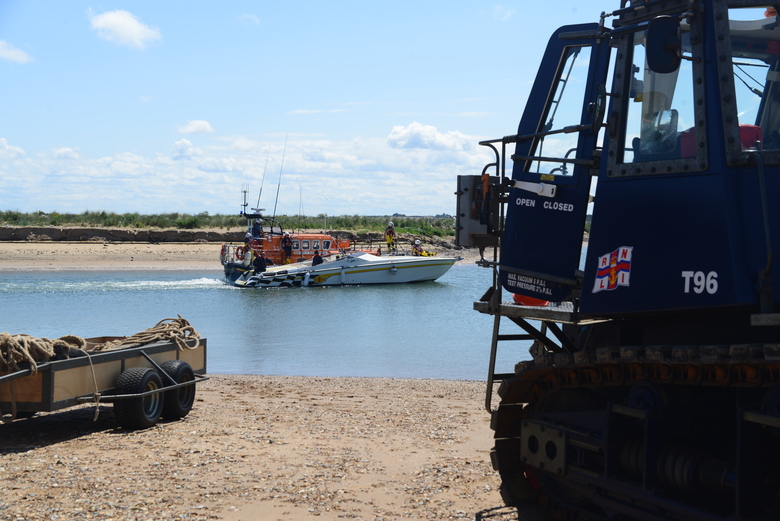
column 614, row 269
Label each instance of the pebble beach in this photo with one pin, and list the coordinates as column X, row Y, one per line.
column 263, row 448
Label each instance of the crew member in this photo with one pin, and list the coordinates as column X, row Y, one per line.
column 257, row 230
column 259, row 263
column 287, row 244
column 390, row 237
column 317, row 259
column 417, row 248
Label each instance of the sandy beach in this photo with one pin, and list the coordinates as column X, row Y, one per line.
column 253, row 447
column 97, row 255
column 107, row 255
column 264, row 448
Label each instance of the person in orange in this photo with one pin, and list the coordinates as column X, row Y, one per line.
column 390, row 237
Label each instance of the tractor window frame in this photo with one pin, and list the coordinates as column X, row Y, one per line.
column 733, row 114
column 567, row 96
column 622, row 160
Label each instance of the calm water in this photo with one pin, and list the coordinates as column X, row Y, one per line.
column 426, row 330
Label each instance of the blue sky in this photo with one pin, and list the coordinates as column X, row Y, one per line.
column 156, row 107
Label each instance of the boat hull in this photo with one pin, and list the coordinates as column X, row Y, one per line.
column 352, row 270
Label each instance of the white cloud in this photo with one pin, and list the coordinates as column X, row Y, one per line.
column 12, row 54
column 355, row 176
column 249, row 19
column 416, row 135
column 123, row 167
column 196, row 126
column 9, row 151
column 64, row 153
column 502, row 13
column 217, row 164
column 183, row 149
column 243, row 144
column 123, row 28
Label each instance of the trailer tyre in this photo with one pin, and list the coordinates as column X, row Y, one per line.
column 178, row 402
column 143, row 412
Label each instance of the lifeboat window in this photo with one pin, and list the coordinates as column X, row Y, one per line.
column 296, row 245
column 315, row 244
column 325, row 245
column 304, row 245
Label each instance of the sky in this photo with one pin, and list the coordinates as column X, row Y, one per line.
column 340, row 108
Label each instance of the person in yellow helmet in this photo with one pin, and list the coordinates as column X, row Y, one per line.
column 287, row 244
column 390, row 237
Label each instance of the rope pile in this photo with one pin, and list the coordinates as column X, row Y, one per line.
column 176, row 330
column 18, row 349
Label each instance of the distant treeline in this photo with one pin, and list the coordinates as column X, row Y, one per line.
column 439, row 226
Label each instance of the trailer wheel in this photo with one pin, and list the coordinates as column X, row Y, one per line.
column 178, row 402
column 138, row 413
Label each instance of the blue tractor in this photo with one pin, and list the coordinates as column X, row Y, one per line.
column 630, row 226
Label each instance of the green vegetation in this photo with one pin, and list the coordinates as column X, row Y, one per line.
column 125, row 220
column 439, row 226
column 428, row 226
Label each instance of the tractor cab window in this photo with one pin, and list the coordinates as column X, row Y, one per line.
column 755, row 57
column 660, row 119
column 565, row 109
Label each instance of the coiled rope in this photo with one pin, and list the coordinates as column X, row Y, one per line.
column 21, row 349
column 16, row 349
column 176, row 330
column 26, row 349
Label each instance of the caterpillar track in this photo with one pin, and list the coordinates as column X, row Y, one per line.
column 620, row 427
column 623, row 432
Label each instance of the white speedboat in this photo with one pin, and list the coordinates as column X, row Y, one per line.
column 351, row 269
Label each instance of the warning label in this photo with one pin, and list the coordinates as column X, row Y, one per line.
column 523, row 282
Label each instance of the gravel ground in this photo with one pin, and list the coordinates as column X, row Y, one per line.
column 264, row 448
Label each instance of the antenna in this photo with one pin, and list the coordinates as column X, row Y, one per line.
column 244, row 190
column 280, row 176
column 262, row 181
column 300, row 207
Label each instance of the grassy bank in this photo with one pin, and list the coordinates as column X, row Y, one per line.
column 428, row 226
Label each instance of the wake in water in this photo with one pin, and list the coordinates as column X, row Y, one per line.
column 46, row 283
